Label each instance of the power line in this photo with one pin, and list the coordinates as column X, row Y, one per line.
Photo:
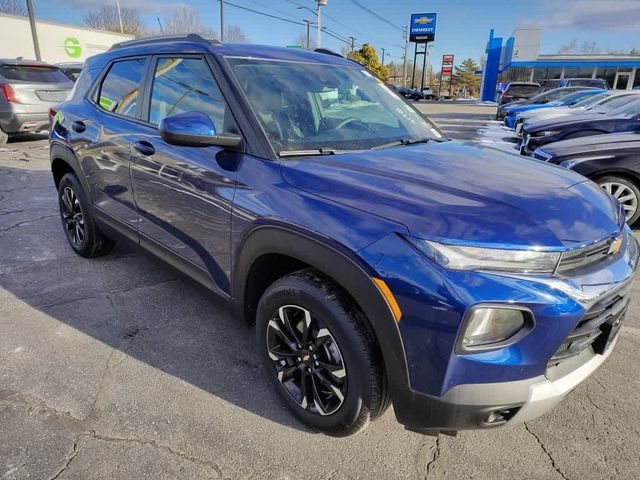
column 264, row 13
column 379, row 17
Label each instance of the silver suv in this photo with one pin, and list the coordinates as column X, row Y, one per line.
column 28, row 89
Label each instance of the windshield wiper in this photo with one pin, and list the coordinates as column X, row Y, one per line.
column 400, row 143
column 309, row 153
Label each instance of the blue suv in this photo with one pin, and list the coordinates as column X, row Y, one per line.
column 379, row 262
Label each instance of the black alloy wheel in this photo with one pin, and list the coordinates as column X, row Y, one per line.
column 307, row 360
column 72, row 217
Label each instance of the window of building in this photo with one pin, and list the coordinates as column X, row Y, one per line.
column 578, row 72
column 185, row 85
column 121, row 86
column 636, row 82
column 549, row 73
column 608, row 74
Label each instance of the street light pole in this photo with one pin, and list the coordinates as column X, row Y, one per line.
column 353, row 43
column 404, row 63
column 222, row 20
column 308, row 45
column 383, row 49
column 321, row 3
column 119, row 15
column 34, row 32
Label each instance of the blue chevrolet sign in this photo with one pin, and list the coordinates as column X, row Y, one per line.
column 423, row 27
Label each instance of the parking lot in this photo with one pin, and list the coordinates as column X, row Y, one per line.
column 118, row 368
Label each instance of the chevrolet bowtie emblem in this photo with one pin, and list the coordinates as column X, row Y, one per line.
column 615, row 246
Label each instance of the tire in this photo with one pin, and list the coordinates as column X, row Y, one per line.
column 77, row 220
column 625, row 191
column 4, row 138
column 343, row 340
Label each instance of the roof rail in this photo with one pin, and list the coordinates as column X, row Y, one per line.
column 326, row 51
column 191, row 37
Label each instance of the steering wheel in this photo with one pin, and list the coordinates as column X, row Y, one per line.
column 347, row 121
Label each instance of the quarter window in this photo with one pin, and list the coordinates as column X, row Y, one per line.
column 185, row 85
column 121, row 87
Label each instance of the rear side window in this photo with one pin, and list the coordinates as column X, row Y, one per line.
column 120, row 88
column 35, row 74
column 185, row 85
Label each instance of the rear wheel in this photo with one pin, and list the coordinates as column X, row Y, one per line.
column 78, row 223
column 319, row 353
column 626, row 192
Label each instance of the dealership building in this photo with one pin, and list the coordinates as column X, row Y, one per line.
column 519, row 59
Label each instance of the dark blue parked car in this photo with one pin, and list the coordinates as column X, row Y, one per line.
column 379, row 262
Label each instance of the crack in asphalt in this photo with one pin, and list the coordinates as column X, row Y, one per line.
column 159, row 446
column 544, row 449
column 24, row 222
column 424, row 466
column 73, row 454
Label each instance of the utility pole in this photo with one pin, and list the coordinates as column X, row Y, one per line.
column 119, row 15
column 404, row 63
column 383, row 50
column 308, row 22
column 321, row 3
column 34, row 32
column 222, row 20
column 353, row 43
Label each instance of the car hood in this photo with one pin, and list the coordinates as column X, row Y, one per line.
column 566, row 120
column 545, row 111
column 454, row 191
column 594, row 143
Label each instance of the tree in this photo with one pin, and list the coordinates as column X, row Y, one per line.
column 184, row 20
column 106, row 18
column 302, row 40
column 234, row 34
column 13, row 7
column 464, row 76
column 634, row 51
column 588, row 47
column 368, row 57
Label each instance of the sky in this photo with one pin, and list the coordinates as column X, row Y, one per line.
column 462, row 28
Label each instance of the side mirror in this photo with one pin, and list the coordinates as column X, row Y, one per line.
column 195, row 129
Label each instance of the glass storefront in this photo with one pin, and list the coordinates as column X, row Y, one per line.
column 636, row 83
column 578, row 72
column 608, row 74
column 546, row 73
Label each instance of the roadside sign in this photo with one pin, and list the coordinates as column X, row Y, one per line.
column 446, row 71
column 447, row 59
column 423, row 27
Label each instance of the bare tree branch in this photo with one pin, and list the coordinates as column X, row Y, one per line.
column 186, row 20
column 13, row 7
column 106, row 18
column 234, row 34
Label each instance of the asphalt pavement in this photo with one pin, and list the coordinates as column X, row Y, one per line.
column 117, row 368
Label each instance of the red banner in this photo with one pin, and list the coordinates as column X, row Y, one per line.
column 446, row 71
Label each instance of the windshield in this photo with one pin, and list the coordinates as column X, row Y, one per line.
column 587, row 82
column 612, row 103
column 35, row 74
column 590, row 100
column 522, row 90
column 551, row 95
column 631, row 109
column 307, row 106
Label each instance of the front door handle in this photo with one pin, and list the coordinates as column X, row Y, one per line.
column 78, row 126
column 145, row 148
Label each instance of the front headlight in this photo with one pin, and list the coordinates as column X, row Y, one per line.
column 456, row 257
column 546, row 133
column 493, row 326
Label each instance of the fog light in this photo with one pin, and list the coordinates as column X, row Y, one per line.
column 499, row 417
column 493, row 326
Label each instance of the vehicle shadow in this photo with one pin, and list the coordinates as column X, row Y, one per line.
column 128, row 301
column 28, row 137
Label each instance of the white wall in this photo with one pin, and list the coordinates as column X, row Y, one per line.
column 526, row 47
column 57, row 41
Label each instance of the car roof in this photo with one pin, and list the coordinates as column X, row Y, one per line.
column 196, row 44
column 22, row 61
column 535, row 84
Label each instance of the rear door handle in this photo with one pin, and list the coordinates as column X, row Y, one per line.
column 145, row 148
column 79, row 126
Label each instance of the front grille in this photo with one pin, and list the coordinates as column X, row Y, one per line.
column 584, row 257
column 597, row 327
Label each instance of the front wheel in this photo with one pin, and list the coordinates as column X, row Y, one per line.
column 626, row 192
column 320, row 354
column 78, row 223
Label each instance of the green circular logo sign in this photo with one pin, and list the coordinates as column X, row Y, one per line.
column 72, row 47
